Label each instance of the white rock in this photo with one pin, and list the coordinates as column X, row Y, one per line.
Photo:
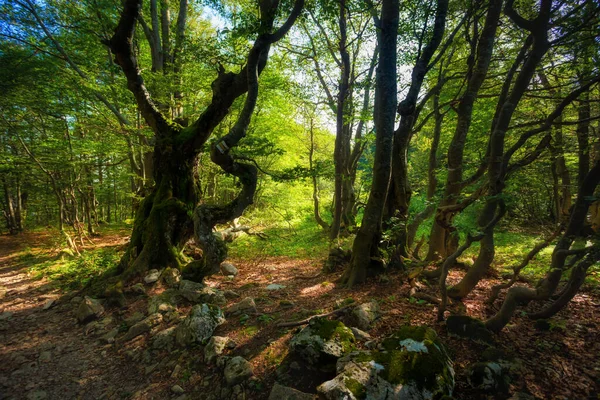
column 228, row 269
column 152, row 276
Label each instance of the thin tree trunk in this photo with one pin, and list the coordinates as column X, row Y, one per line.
column 384, row 117
column 342, row 140
column 311, row 151
column 439, row 237
column 496, row 170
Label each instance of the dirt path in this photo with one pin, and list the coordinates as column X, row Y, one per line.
column 44, row 353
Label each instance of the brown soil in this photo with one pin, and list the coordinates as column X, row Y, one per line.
column 559, row 364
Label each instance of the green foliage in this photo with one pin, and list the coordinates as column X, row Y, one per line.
column 77, row 272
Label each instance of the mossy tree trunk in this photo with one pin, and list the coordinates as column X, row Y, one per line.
column 169, row 215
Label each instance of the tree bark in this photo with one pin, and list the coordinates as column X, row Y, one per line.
column 163, row 223
column 384, row 117
column 496, row 170
column 400, row 191
column 341, row 152
column 439, row 238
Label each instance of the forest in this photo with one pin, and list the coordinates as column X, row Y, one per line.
column 300, row 199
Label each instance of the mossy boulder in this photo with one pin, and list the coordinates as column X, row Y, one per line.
column 88, row 310
column 280, row 392
column 199, row 325
column 413, row 364
column 494, row 372
column 365, row 314
column 470, row 328
column 323, row 342
column 489, row 377
column 171, row 277
column 200, row 293
column 164, row 302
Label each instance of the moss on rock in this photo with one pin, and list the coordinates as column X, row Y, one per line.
column 323, row 341
column 413, row 363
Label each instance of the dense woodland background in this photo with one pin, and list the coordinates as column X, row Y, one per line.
column 418, row 140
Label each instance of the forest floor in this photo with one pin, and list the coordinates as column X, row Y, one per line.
column 46, row 354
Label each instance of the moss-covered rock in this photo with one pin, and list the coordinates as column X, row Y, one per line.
column 494, row 373
column 489, row 377
column 164, row 302
column 171, row 277
column 470, row 328
column 199, row 325
column 365, row 314
column 322, row 342
column 200, row 293
column 412, row 365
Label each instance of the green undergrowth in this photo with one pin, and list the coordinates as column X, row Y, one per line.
column 71, row 273
column 511, row 248
column 299, row 239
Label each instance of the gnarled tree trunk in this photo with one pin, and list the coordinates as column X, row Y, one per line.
column 167, row 216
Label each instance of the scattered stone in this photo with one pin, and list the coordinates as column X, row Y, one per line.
column 165, row 339
column 275, row 286
column 214, row 348
column 88, row 310
column 360, row 335
column 246, row 306
column 176, row 371
column 336, row 259
column 171, row 277
column 230, row 294
column 199, row 293
column 414, row 365
column 365, row 314
column 152, row 276
column 237, row 371
column 164, row 302
column 323, row 342
column 134, row 318
column 199, row 325
column 143, row 326
column 228, row 269
column 489, row 377
column 286, row 304
column 110, row 336
column 470, row 328
column 177, row 389
column 49, row 303
column 138, row 288
column 280, row 392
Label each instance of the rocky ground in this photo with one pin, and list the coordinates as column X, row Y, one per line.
column 224, row 340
